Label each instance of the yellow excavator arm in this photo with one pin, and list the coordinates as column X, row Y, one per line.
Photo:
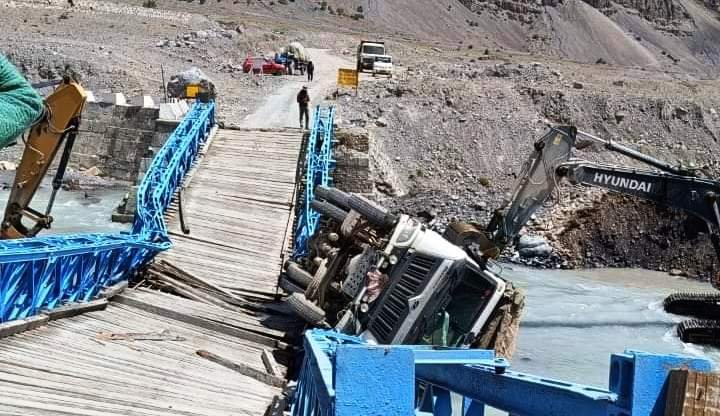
column 59, row 125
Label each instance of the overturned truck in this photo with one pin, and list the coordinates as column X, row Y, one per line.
column 392, row 280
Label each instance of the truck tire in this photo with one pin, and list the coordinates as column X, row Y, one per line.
column 290, row 286
column 329, row 210
column 375, row 214
column 295, row 273
column 333, row 195
column 305, row 309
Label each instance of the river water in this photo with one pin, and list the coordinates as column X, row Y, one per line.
column 575, row 319
column 78, row 211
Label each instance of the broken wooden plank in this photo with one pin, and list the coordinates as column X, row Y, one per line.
column 74, row 309
column 271, row 365
column 164, row 335
column 114, row 290
column 20, row 325
column 203, row 323
column 243, row 369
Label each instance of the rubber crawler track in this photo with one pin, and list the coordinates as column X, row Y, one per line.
column 700, row 331
column 697, row 305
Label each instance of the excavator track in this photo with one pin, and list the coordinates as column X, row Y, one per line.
column 700, row 331
column 697, row 305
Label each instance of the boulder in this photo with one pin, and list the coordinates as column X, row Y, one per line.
column 529, row 241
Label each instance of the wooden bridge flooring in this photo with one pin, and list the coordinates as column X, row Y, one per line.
column 238, row 204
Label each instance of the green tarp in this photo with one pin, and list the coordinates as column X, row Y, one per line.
column 20, row 104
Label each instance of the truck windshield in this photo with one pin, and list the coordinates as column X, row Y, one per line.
column 385, row 59
column 469, row 299
column 373, row 49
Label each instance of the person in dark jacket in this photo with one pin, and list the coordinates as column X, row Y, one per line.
column 310, row 70
column 303, row 99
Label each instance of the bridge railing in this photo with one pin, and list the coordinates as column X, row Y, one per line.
column 45, row 272
column 319, row 163
column 343, row 376
column 167, row 170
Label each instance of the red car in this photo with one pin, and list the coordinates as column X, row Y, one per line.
column 268, row 66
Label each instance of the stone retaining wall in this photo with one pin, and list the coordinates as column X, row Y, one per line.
column 352, row 171
column 121, row 136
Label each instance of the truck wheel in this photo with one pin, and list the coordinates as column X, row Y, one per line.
column 333, row 195
column 290, row 286
column 305, row 309
column 329, row 210
column 375, row 214
column 295, row 273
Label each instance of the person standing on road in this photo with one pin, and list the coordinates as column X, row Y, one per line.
column 303, row 99
column 310, row 70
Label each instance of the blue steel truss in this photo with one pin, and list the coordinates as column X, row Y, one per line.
column 343, row 376
column 318, row 165
column 45, row 272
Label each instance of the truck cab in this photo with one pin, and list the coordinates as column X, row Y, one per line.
column 367, row 54
column 435, row 294
column 391, row 279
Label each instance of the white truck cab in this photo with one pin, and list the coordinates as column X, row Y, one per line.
column 367, row 53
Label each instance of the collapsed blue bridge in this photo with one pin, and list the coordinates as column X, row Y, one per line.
column 340, row 375
column 46, row 272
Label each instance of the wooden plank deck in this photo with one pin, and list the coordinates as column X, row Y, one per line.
column 238, row 205
column 70, row 368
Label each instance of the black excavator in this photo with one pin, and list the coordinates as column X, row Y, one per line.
column 444, row 287
column 676, row 187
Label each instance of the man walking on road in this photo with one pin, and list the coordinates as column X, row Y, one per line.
column 303, row 99
column 310, row 70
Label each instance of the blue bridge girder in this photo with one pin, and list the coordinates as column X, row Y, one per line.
column 342, row 376
column 45, row 272
column 319, row 163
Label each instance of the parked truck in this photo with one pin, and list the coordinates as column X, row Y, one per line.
column 367, row 54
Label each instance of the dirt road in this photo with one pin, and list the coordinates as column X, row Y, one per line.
column 280, row 109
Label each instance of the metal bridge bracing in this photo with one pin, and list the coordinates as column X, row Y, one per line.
column 344, row 376
column 319, row 163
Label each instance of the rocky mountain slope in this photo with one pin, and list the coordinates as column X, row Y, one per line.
column 675, row 35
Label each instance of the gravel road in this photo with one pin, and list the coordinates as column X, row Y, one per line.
column 280, row 109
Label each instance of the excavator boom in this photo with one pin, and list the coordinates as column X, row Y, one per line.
column 59, row 125
column 668, row 185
